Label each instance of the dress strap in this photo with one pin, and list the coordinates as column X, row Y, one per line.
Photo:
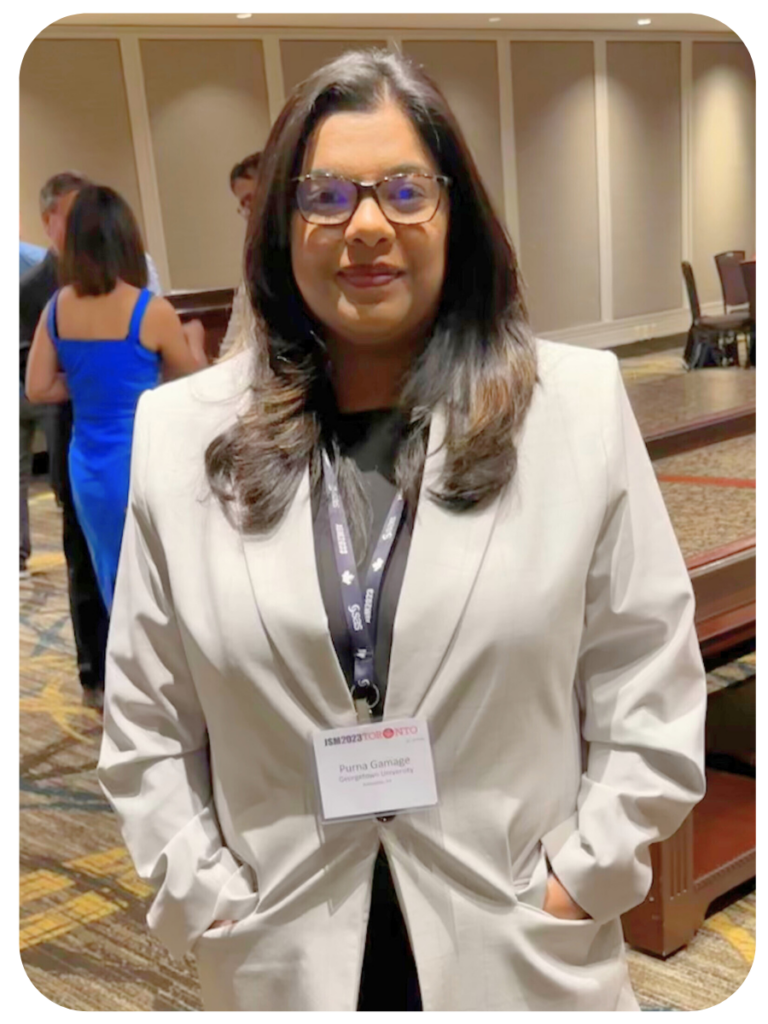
column 138, row 314
column 53, row 334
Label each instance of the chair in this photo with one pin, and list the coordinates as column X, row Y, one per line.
column 711, row 339
column 731, row 281
column 748, row 273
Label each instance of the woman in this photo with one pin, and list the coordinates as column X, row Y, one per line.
column 532, row 614
column 102, row 340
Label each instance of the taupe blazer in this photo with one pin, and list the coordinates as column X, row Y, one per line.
column 548, row 639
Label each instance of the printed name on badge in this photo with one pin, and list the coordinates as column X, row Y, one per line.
column 371, row 770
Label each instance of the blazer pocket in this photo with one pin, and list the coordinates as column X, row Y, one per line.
column 533, row 890
column 237, row 900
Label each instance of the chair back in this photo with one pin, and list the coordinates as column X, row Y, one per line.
column 693, row 296
column 731, row 280
column 748, row 274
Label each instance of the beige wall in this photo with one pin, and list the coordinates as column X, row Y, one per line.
column 208, row 107
column 300, row 57
column 207, row 104
column 73, row 116
column 646, row 176
column 723, row 157
column 554, row 110
column 466, row 72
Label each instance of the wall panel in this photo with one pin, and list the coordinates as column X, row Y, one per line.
column 207, row 102
column 207, row 106
column 73, row 116
column 300, row 57
column 722, row 158
column 554, row 109
column 466, row 72
column 645, row 173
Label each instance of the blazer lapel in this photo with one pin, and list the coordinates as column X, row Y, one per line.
column 283, row 573
column 445, row 555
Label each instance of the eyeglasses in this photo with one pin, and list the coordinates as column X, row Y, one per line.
column 402, row 198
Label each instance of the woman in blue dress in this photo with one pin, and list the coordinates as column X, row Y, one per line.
column 102, row 340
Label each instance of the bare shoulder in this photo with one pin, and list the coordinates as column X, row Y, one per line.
column 160, row 310
column 160, row 318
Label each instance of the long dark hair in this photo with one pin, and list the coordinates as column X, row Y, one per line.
column 102, row 244
column 479, row 363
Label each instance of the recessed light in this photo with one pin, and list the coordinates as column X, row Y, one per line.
column 643, row 21
column 494, row 19
column 243, row 15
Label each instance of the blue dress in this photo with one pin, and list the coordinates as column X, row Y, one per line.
column 105, row 379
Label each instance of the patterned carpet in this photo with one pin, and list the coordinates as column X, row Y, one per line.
column 83, row 940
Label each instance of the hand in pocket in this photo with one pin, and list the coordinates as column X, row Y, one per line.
column 559, row 903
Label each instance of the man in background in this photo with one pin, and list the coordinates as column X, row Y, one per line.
column 242, row 181
column 89, row 616
column 31, row 418
column 29, row 256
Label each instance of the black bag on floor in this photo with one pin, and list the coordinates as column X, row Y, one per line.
column 705, row 351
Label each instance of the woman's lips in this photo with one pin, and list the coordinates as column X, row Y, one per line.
column 369, row 277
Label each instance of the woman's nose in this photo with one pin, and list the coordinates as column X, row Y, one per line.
column 368, row 224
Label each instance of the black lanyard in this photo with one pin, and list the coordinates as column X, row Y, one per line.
column 360, row 612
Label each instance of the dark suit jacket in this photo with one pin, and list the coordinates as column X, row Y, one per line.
column 35, row 289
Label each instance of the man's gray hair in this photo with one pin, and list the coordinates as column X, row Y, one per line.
column 60, row 185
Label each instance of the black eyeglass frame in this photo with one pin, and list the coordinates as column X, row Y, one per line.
column 370, row 187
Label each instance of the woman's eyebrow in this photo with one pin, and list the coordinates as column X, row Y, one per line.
column 399, row 169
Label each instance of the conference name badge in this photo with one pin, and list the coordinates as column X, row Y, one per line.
column 375, row 770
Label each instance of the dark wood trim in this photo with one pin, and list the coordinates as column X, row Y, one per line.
column 722, row 831
column 724, row 585
column 201, row 300
column 212, row 307
column 727, row 630
column 707, row 430
column 714, row 850
column 736, row 547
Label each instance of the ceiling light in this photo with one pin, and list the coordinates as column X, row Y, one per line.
column 243, row 15
column 494, row 19
column 643, row 21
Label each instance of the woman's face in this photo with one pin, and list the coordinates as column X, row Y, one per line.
column 332, row 264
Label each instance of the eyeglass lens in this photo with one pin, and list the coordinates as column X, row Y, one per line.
column 406, row 199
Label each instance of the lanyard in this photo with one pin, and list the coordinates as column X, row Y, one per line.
column 360, row 613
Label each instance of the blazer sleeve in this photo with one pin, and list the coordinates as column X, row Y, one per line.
column 641, row 686
column 154, row 764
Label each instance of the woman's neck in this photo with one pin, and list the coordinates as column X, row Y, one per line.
column 368, row 377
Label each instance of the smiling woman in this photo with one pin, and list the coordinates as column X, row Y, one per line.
column 370, row 267
column 420, row 513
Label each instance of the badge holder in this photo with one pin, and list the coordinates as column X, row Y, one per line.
column 376, row 770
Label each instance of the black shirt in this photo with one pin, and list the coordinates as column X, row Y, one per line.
column 372, row 439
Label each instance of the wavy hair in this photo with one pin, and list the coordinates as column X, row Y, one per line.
column 478, row 364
